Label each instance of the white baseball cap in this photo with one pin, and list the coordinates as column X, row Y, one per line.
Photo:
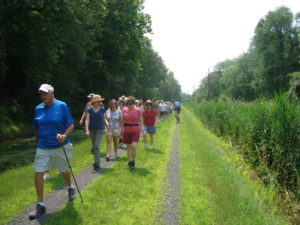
column 46, row 88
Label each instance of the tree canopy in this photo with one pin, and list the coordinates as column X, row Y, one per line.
column 79, row 47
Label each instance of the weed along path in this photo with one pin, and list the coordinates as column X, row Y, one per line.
column 190, row 177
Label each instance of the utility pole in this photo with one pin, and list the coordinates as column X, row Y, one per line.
column 208, row 84
column 193, row 94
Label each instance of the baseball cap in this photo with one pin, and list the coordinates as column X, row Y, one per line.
column 46, row 88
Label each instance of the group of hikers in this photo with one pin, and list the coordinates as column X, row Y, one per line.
column 124, row 122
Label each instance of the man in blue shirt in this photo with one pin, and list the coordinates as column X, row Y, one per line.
column 177, row 110
column 52, row 125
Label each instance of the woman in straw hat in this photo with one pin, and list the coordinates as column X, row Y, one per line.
column 94, row 126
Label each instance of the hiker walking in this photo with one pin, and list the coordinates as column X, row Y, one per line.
column 52, row 125
column 94, row 126
column 177, row 110
column 132, row 123
column 88, row 105
column 149, row 121
column 113, row 116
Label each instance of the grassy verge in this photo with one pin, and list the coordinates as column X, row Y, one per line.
column 213, row 189
column 19, row 152
column 17, row 185
column 123, row 195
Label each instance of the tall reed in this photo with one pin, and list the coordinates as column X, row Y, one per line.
column 267, row 132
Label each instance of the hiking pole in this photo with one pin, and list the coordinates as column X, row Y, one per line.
column 72, row 174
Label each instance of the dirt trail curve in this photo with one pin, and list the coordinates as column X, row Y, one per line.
column 171, row 214
column 55, row 200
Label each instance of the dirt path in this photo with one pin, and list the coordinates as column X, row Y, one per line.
column 57, row 199
column 171, row 214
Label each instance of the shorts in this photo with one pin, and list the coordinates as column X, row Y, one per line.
column 177, row 110
column 150, row 129
column 129, row 137
column 114, row 132
column 47, row 159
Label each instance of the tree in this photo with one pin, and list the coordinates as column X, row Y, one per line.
column 276, row 44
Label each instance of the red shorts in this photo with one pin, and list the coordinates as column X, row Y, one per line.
column 129, row 137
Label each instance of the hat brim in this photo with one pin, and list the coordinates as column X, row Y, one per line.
column 98, row 100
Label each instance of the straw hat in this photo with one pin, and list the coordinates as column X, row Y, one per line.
column 97, row 98
column 90, row 95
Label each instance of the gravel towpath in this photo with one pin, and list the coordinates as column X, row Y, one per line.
column 171, row 214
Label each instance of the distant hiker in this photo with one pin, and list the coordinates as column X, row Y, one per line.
column 162, row 108
column 132, row 123
column 177, row 110
column 149, row 121
column 94, row 126
column 52, row 125
column 88, row 105
column 113, row 116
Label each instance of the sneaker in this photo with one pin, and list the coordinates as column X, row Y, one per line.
column 132, row 165
column 151, row 147
column 38, row 211
column 107, row 158
column 96, row 166
column 145, row 147
column 46, row 176
column 71, row 193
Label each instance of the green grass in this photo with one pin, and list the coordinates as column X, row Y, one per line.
column 122, row 195
column 213, row 189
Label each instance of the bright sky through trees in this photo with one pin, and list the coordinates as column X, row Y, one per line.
column 193, row 35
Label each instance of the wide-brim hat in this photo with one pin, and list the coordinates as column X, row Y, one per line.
column 97, row 98
column 90, row 95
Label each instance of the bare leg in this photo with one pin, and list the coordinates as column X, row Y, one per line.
column 115, row 140
column 145, row 137
column 39, row 186
column 67, row 176
column 151, row 139
column 133, row 150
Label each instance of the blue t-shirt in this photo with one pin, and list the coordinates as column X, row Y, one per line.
column 49, row 121
column 177, row 105
column 96, row 119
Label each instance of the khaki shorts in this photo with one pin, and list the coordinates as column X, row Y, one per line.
column 47, row 159
column 114, row 132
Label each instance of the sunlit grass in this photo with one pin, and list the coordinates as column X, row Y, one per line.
column 213, row 190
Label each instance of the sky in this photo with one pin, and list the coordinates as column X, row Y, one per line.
column 192, row 36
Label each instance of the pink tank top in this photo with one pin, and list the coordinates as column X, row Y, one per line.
column 131, row 119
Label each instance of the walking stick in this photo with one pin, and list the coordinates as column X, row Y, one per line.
column 72, row 174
